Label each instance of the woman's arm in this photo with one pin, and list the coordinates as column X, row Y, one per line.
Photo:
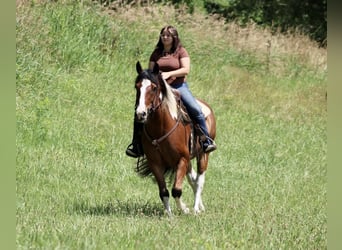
column 182, row 71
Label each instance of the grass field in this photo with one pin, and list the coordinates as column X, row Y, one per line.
column 266, row 185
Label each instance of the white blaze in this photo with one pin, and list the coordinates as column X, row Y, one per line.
column 141, row 106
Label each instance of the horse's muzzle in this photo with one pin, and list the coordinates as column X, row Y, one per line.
column 141, row 116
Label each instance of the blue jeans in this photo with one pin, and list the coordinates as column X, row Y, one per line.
column 193, row 108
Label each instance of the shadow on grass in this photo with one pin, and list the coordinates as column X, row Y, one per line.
column 120, row 208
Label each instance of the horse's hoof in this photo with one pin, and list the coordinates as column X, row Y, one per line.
column 198, row 210
column 186, row 210
column 168, row 213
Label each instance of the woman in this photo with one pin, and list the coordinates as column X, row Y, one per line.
column 174, row 63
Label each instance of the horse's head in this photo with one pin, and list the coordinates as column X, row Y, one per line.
column 150, row 90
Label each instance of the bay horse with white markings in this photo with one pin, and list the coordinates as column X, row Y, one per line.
column 168, row 140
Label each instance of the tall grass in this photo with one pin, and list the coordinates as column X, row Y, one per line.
column 76, row 189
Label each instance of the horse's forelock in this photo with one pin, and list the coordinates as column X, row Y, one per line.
column 145, row 74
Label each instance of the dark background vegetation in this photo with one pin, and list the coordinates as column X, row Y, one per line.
column 306, row 16
column 309, row 16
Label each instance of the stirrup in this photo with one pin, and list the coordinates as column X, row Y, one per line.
column 133, row 151
column 210, row 148
column 209, row 145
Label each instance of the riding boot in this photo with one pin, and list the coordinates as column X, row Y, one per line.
column 135, row 149
column 208, row 144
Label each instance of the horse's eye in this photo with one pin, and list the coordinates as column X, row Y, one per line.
column 154, row 88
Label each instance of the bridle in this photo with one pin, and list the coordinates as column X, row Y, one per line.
column 153, row 79
column 155, row 106
column 152, row 109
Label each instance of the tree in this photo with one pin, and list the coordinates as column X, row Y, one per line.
column 308, row 16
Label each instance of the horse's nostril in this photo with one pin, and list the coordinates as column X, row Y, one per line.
column 141, row 115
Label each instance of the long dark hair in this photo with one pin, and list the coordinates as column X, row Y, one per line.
column 176, row 44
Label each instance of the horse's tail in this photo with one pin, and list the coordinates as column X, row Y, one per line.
column 143, row 170
column 142, row 167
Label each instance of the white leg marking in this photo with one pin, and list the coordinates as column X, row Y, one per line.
column 192, row 176
column 167, row 205
column 181, row 205
column 198, row 207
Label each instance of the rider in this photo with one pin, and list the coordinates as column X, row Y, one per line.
column 174, row 63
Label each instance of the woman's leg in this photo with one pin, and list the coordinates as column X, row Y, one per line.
column 135, row 148
column 196, row 115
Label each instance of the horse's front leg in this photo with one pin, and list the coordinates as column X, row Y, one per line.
column 177, row 187
column 163, row 192
column 165, row 197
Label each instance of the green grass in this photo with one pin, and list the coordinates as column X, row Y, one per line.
column 266, row 184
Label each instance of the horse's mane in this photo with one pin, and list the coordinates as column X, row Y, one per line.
column 170, row 100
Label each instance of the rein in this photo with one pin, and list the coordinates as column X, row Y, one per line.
column 156, row 142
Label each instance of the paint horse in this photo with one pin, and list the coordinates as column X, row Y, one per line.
column 168, row 140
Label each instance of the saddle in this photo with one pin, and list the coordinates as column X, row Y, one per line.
column 196, row 131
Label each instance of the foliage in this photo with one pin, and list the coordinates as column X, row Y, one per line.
column 75, row 66
column 310, row 17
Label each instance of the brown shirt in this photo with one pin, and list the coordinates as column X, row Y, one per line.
column 169, row 62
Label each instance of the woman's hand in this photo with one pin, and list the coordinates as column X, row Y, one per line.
column 166, row 75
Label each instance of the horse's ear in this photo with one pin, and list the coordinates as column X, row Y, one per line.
column 138, row 67
column 156, row 68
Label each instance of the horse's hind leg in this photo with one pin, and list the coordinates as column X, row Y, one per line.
column 197, row 181
column 198, row 206
column 192, row 177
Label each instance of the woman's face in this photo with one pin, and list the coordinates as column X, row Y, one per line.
column 166, row 38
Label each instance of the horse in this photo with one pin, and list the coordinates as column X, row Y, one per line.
column 168, row 139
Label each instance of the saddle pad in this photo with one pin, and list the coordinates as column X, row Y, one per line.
column 206, row 111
